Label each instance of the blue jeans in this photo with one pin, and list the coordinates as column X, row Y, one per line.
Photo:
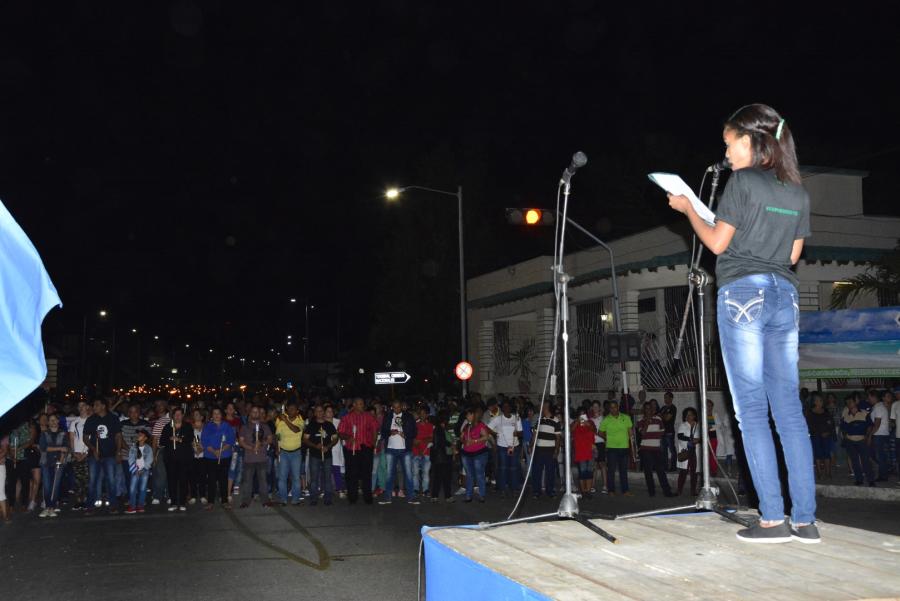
column 121, row 482
column 421, row 467
column 543, row 472
column 137, row 488
column 475, row 467
column 758, row 319
column 392, row 456
column 100, row 470
column 858, row 456
column 51, row 489
column 880, row 446
column 668, row 451
column 289, row 465
column 507, row 468
column 320, row 470
column 271, row 475
column 236, row 467
column 616, row 459
column 160, row 478
column 122, row 479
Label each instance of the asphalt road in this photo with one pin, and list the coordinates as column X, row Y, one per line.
column 331, row 553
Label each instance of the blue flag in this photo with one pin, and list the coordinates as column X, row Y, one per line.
column 26, row 296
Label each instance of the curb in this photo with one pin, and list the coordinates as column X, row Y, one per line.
column 887, row 491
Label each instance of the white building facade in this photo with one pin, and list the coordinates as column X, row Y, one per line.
column 511, row 311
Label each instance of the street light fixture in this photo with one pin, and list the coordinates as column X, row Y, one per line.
column 393, row 194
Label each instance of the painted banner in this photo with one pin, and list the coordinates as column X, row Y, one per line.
column 850, row 343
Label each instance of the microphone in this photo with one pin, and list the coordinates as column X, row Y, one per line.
column 579, row 159
column 720, row 166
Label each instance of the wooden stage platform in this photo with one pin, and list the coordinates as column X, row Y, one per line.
column 682, row 558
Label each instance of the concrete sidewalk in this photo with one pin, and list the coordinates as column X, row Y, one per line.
column 884, row 491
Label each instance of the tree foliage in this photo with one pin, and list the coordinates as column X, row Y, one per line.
column 882, row 279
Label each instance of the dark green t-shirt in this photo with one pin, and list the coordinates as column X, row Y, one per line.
column 768, row 216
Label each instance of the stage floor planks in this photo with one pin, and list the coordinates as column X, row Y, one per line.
column 683, row 558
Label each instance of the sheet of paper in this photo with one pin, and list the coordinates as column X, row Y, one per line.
column 673, row 184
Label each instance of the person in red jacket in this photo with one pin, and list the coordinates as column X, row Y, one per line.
column 583, row 432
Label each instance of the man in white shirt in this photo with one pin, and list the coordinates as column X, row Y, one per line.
column 507, row 430
column 398, row 429
column 879, row 438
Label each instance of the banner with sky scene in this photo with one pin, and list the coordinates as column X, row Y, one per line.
column 850, row 343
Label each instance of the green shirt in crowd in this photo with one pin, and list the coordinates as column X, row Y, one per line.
column 616, row 430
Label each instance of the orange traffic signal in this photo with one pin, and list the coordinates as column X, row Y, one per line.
column 530, row 216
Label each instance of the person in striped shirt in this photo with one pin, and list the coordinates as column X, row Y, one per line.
column 652, row 429
column 547, row 441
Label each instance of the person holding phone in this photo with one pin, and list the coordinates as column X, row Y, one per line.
column 762, row 221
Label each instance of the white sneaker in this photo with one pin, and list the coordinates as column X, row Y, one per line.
column 203, row 500
column 182, row 508
column 155, row 502
column 192, row 501
column 53, row 513
column 98, row 503
column 173, row 507
column 45, row 514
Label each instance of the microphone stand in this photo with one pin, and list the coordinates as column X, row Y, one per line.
column 568, row 506
column 698, row 280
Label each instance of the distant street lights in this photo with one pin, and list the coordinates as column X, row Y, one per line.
column 394, row 194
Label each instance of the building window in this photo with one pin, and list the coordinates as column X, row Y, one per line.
column 647, row 305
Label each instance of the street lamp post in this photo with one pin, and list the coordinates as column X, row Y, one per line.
column 393, row 194
column 103, row 314
column 307, row 307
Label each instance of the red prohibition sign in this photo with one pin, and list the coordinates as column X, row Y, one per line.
column 463, row 370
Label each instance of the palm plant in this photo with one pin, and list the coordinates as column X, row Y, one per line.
column 520, row 363
column 882, row 279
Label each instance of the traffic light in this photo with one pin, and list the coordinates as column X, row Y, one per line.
column 530, row 216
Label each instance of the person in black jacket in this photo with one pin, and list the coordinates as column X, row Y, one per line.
column 441, row 460
column 178, row 453
column 398, row 431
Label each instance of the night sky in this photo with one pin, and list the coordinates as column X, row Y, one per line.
column 193, row 165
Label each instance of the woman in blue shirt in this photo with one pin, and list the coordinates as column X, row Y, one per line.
column 217, row 439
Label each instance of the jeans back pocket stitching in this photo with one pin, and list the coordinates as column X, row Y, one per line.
column 744, row 309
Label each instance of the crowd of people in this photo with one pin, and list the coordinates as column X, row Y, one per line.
column 120, row 453
column 861, row 431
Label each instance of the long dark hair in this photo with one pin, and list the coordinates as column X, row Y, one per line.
column 770, row 138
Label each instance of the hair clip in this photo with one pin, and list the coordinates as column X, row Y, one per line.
column 778, row 131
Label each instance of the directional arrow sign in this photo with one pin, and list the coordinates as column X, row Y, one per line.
column 392, row 377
